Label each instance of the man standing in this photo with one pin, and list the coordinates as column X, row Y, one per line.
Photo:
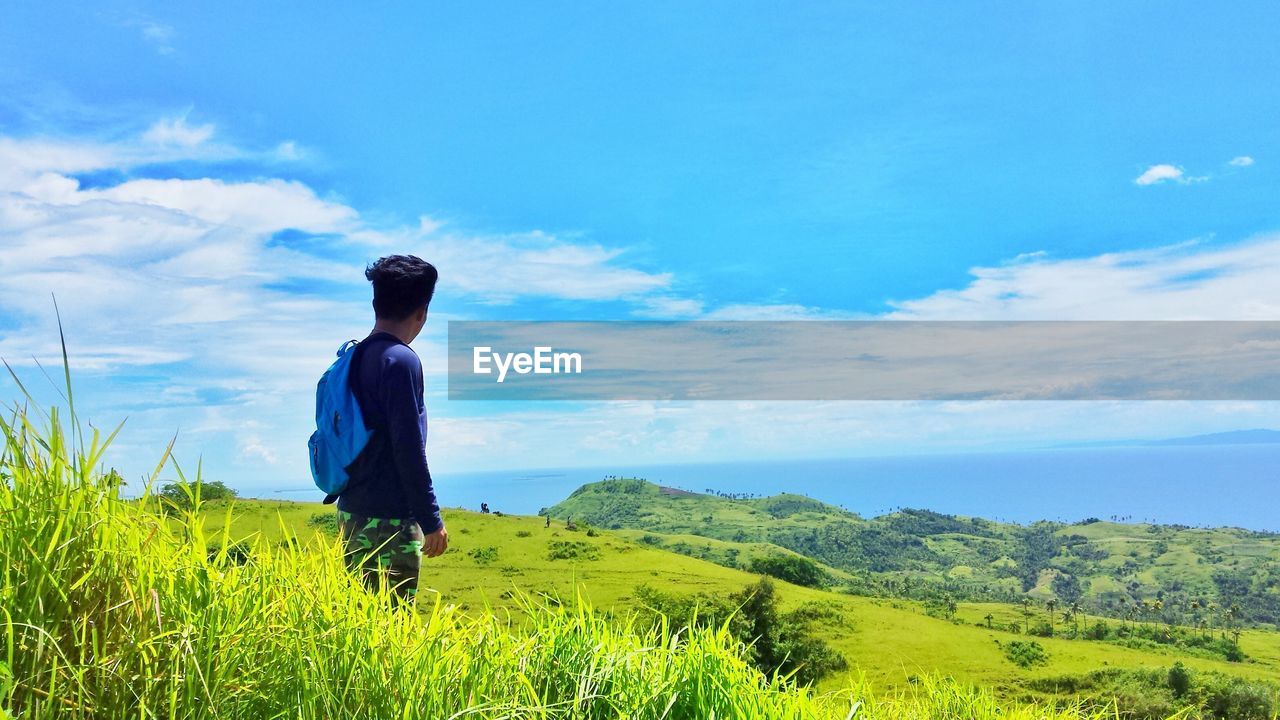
column 388, row 514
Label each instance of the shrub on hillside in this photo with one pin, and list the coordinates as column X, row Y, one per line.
column 236, row 553
column 944, row 607
column 1155, row 694
column 794, row 569
column 1179, row 679
column 774, row 641
column 1041, row 629
column 484, row 555
column 182, row 495
column 1026, row 653
column 1096, row 631
column 571, row 550
column 325, row 522
column 1142, row 636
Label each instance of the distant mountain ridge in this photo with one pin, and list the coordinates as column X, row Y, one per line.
column 1257, row 436
column 1231, row 437
column 1115, row 566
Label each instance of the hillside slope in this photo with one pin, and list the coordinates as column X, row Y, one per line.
column 492, row 558
column 1220, row 577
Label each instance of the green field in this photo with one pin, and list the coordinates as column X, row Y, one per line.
column 889, row 641
column 114, row 608
column 243, row 609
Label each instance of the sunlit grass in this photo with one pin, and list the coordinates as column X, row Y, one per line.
column 110, row 609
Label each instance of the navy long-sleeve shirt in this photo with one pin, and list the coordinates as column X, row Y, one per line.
column 390, row 479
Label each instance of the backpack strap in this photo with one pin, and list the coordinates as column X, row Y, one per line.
column 353, row 383
column 357, row 360
column 353, row 370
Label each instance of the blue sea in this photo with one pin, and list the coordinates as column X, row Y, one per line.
column 1215, row 485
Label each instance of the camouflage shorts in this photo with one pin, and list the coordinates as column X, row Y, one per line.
column 379, row 547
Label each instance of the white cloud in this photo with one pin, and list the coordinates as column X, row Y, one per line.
column 666, row 307
column 253, row 448
column 177, row 132
column 773, row 311
column 1157, row 174
column 157, row 31
column 1187, row 281
column 1241, row 161
column 288, row 151
column 158, row 34
column 501, row 269
column 673, row 307
column 261, row 207
column 23, row 160
column 207, row 227
column 172, row 282
column 626, row 434
column 428, row 226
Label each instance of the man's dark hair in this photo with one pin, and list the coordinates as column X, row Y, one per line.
column 401, row 285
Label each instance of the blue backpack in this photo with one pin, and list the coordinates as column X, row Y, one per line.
column 340, row 430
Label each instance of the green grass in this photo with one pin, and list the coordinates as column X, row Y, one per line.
column 111, row 610
column 890, row 643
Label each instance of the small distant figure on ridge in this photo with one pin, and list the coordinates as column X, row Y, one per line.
column 484, row 508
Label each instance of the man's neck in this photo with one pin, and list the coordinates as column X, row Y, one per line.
column 399, row 329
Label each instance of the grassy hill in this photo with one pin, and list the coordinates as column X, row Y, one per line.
column 891, row 642
column 1219, row 577
column 243, row 610
column 112, row 608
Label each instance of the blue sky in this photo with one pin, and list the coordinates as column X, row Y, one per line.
column 202, row 186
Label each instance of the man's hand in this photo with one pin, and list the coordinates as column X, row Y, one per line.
column 436, row 543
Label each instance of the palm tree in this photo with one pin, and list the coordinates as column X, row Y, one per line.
column 1076, row 609
column 1233, row 614
column 1051, row 604
column 1148, row 609
column 989, row 617
column 1026, row 615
